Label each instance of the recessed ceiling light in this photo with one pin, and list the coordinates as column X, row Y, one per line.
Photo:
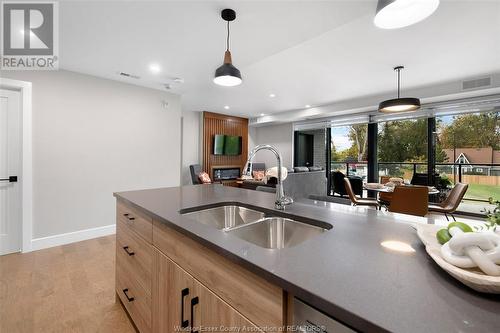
column 226, row 107
column 262, row 114
column 307, row 106
column 272, row 95
column 155, row 68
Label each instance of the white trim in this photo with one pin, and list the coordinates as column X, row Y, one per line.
column 72, row 237
column 26, row 178
column 465, row 158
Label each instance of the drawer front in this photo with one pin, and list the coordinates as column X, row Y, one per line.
column 255, row 298
column 135, row 220
column 134, row 298
column 134, row 255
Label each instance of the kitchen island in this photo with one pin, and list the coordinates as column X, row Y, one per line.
column 344, row 271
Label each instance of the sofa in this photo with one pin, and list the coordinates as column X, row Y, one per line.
column 252, row 184
column 303, row 184
column 300, row 183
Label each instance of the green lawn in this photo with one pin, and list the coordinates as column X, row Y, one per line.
column 477, row 191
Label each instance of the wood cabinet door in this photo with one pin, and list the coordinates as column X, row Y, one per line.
column 173, row 290
column 182, row 303
column 212, row 314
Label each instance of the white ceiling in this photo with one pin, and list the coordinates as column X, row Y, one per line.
column 305, row 52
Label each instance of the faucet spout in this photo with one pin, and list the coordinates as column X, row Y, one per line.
column 281, row 200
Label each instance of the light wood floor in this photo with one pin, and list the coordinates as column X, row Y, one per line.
column 68, row 288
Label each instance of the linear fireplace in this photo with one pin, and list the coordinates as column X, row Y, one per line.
column 226, row 173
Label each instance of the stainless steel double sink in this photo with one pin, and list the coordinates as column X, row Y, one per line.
column 256, row 227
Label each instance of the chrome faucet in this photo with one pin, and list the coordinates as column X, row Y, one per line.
column 281, row 200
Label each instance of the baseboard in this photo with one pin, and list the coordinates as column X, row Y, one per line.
column 72, row 237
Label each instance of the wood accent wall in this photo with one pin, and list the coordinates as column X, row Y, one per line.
column 214, row 123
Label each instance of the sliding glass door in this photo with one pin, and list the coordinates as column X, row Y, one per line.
column 402, row 148
column 348, row 151
column 438, row 147
column 468, row 147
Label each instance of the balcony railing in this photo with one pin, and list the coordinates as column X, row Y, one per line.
column 483, row 179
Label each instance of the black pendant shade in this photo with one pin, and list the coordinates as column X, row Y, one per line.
column 228, row 69
column 399, row 104
column 227, row 75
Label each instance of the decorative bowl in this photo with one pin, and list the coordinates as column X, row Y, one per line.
column 473, row 277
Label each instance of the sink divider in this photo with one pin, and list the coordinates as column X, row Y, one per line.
column 245, row 224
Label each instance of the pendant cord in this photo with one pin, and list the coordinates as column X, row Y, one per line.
column 399, row 81
column 227, row 40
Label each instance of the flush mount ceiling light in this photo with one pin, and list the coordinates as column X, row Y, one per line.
column 154, row 68
column 394, row 14
column 399, row 104
column 227, row 75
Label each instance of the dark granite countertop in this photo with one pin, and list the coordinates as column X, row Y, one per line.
column 344, row 272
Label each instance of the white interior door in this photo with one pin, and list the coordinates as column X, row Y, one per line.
column 10, row 167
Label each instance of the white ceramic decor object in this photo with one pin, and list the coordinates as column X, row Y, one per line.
column 471, row 277
column 273, row 172
column 468, row 250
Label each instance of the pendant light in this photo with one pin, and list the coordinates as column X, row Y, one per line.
column 399, row 104
column 227, row 75
column 394, row 14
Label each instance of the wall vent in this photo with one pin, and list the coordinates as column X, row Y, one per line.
column 476, row 83
column 131, row 76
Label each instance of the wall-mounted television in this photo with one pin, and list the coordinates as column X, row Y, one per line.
column 227, row 145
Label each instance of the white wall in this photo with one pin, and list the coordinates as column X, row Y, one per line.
column 280, row 136
column 92, row 137
column 252, row 134
column 191, row 136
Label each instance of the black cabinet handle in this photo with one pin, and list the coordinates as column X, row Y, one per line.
column 194, row 301
column 130, row 253
column 130, row 299
column 130, row 218
column 184, row 293
column 11, row 179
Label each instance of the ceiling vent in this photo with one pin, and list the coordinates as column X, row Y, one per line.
column 476, row 83
column 128, row 75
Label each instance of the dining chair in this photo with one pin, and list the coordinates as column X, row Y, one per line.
column 419, row 179
column 411, row 200
column 383, row 197
column 450, row 204
column 384, row 179
column 354, row 199
column 339, row 187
